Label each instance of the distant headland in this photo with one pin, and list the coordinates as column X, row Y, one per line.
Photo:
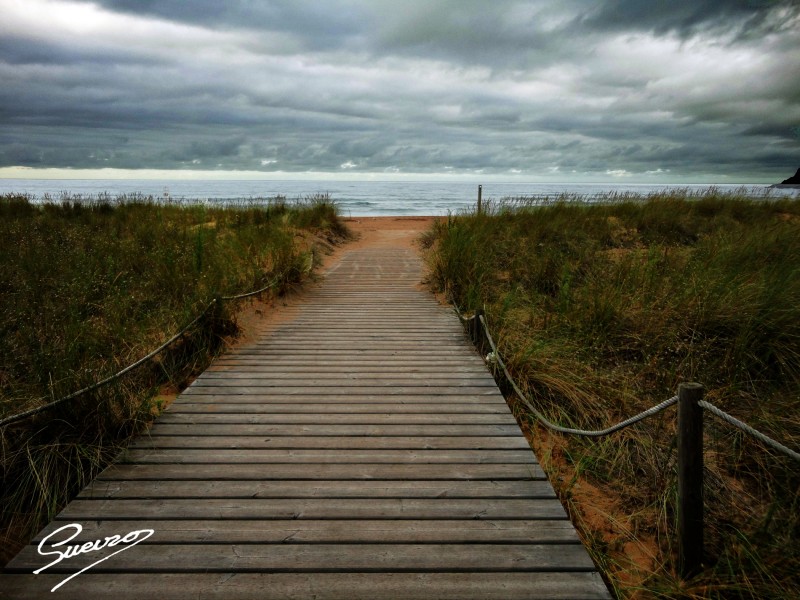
column 794, row 180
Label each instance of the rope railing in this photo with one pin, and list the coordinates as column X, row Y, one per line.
column 765, row 439
column 552, row 426
column 111, row 378
column 689, row 444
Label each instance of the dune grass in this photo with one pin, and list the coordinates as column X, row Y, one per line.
column 601, row 310
column 88, row 286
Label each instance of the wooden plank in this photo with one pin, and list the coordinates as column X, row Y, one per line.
column 307, row 531
column 359, row 363
column 361, row 367
column 330, row 471
column 369, row 326
column 197, row 396
column 370, row 419
column 251, row 358
column 318, row 489
column 244, row 377
column 432, row 338
column 321, row 586
column 322, row 409
column 302, row 338
column 365, row 339
column 333, row 442
column 302, row 388
column 450, row 357
column 340, row 378
column 319, row 457
column 316, row 317
column 312, row 508
column 406, row 386
column 342, row 369
column 386, row 351
column 356, row 348
column 275, row 558
column 330, row 430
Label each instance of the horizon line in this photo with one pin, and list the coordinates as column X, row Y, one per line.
column 617, row 177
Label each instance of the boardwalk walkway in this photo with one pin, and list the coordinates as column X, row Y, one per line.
column 360, row 450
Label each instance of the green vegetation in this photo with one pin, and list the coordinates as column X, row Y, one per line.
column 601, row 310
column 88, row 287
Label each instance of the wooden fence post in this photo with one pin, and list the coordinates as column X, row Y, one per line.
column 480, row 196
column 477, row 328
column 690, row 479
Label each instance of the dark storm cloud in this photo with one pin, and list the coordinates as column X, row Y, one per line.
column 537, row 88
column 685, row 17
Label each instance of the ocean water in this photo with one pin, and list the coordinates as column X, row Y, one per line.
column 354, row 198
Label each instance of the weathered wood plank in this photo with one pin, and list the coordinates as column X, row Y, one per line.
column 186, row 406
column 339, row 362
column 330, row 471
column 326, row 381
column 333, row 443
column 339, row 370
column 319, row 457
column 271, row 558
column 327, row 429
column 362, row 363
column 422, row 332
column 355, row 349
column 321, row 586
column 304, row 388
column 402, row 378
column 199, row 396
column 370, row 419
column 307, row 531
column 318, row 489
column 365, row 340
column 312, row 508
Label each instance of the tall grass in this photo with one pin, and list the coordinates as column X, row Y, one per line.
column 601, row 310
column 87, row 286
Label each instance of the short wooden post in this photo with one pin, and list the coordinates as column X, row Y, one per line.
column 690, row 479
column 480, row 197
column 477, row 328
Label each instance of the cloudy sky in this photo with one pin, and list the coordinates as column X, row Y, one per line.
column 551, row 90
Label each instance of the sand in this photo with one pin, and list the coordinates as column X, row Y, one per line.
column 386, row 231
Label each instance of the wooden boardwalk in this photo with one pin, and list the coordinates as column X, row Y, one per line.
column 360, row 450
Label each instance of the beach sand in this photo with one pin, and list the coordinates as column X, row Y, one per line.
column 387, row 231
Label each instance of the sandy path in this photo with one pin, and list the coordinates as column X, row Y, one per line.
column 387, row 231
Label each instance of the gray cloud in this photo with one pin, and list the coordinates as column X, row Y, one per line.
column 321, row 25
column 687, row 17
column 542, row 88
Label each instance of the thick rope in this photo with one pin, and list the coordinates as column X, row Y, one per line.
column 253, row 293
column 635, row 419
column 131, row 367
column 581, row 432
column 747, row 429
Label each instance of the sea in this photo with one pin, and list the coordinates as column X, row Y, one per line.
column 354, row 198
